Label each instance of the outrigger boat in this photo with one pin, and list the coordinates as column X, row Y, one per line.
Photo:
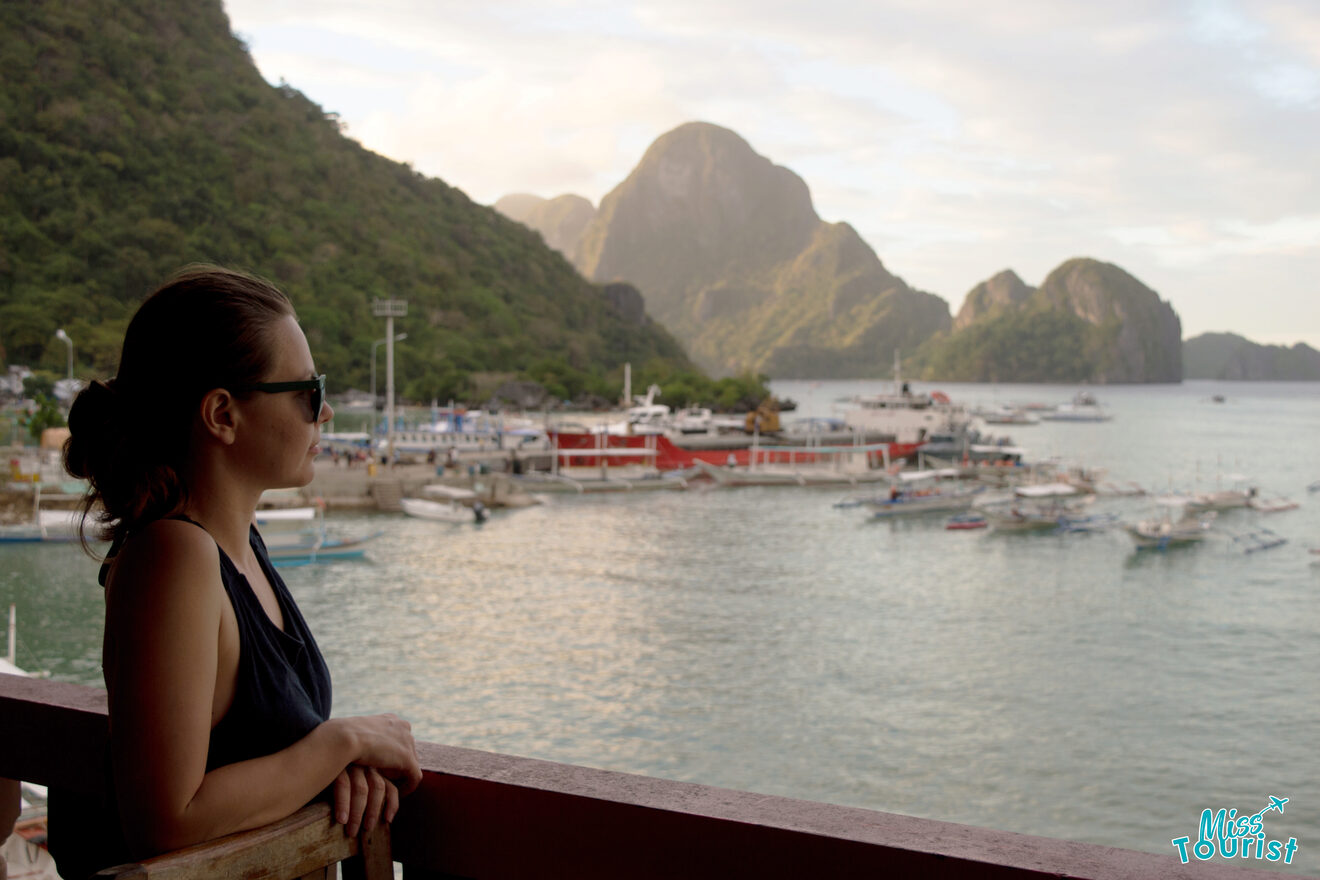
column 298, row 536
column 1039, row 507
column 902, row 500
column 1165, row 532
column 966, row 521
column 51, row 526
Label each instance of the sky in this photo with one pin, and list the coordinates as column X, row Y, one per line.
column 1178, row 140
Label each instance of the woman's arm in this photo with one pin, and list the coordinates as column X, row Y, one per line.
column 164, row 615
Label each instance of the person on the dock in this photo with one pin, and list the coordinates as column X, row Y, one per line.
column 219, row 698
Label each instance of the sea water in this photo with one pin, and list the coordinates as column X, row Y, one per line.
column 763, row 639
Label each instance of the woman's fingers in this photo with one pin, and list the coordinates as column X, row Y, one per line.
column 363, row 798
column 375, row 799
column 391, row 801
column 343, row 796
column 358, row 775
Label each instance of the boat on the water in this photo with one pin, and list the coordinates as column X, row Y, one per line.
column 1083, row 408
column 50, row 526
column 441, row 511
column 1006, row 415
column 1273, row 505
column 298, row 536
column 608, row 452
column 1038, row 507
column 1222, row 499
column 1163, row 532
column 966, row 522
column 914, row 492
column 903, row 416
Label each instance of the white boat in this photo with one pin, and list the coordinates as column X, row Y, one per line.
column 1166, row 531
column 1006, row 415
column 298, row 536
column 1273, row 505
column 50, row 526
column 439, row 511
column 445, row 492
column 1222, row 499
column 1083, row 408
column 822, row 466
column 1038, row 507
column 905, row 417
column 933, row 499
column 693, row 420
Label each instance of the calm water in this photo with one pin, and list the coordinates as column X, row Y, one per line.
column 764, row 640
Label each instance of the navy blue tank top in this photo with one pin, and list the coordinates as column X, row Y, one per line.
column 281, row 692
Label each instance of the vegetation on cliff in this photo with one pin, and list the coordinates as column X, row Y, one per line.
column 138, row 136
column 1088, row 322
column 1229, row 356
column 731, row 257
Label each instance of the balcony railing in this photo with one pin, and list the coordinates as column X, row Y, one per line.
column 483, row 815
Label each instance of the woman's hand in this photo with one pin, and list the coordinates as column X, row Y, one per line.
column 364, row 798
column 385, row 743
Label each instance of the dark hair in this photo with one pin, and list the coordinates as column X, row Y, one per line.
column 205, row 328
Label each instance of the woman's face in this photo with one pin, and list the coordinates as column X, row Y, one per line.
column 281, row 440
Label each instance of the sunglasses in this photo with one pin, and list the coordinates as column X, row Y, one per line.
column 315, row 399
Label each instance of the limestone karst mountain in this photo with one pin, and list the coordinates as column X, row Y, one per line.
column 1229, row 356
column 559, row 220
column 1088, row 321
column 731, row 257
column 1004, row 290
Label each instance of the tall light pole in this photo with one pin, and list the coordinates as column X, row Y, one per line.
column 389, row 309
column 398, row 338
column 64, row 337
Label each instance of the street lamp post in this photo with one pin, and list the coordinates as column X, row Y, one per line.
column 398, row 338
column 389, row 309
column 64, row 337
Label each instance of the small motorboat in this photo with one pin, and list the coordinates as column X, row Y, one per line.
column 1160, row 534
column 1272, row 505
column 452, row 511
column 965, row 521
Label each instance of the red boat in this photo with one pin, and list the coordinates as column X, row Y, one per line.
column 577, row 449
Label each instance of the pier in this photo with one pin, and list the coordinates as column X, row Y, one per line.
column 484, row 815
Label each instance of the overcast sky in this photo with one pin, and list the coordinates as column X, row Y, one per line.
column 1176, row 139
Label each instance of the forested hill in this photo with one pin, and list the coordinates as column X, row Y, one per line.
column 137, row 136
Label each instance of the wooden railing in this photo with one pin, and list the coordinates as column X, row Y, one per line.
column 483, row 815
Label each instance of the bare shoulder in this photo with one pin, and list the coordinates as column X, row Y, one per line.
column 170, row 560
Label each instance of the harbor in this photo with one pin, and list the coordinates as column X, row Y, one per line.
column 1063, row 684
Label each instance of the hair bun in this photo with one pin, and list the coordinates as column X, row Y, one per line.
column 94, row 419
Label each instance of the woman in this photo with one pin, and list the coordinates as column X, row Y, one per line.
column 219, row 698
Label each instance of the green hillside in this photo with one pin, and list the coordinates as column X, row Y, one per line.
column 1229, row 356
column 138, row 136
column 1088, row 321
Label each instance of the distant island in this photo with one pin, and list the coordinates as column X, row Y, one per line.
column 1229, row 356
column 730, row 256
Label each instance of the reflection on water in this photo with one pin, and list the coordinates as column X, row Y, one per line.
column 762, row 639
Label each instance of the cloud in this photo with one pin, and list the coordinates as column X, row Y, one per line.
column 959, row 138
